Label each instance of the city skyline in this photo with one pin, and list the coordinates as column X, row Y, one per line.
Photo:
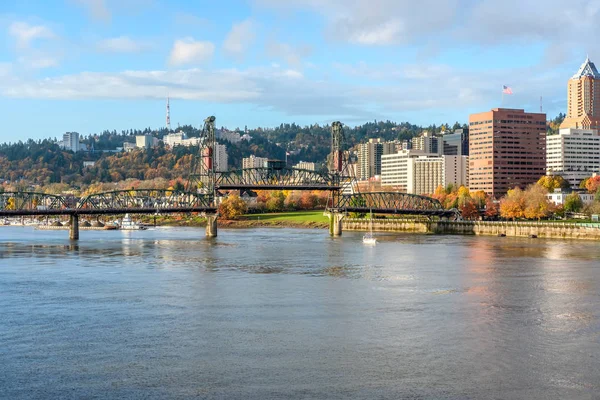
column 91, row 65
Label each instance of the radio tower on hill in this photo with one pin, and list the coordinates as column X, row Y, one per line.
column 168, row 116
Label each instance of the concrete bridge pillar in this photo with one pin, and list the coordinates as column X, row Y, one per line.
column 335, row 223
column 211, row 225
column 74, row 227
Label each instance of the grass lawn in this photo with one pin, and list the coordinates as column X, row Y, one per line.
column 294, row 216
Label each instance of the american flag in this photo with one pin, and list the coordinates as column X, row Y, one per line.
column 506, row 90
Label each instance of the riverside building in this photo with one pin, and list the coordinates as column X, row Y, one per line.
column 507, row 148
column 369, row 157
column 417, row 172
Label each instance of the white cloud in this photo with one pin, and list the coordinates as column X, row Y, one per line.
column 241, row 36
column 121, row 44
column 190, row 51
column 25, row 33
column 96, row 8
column 292, row 55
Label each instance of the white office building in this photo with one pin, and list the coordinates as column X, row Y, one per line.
column 180, row 139
column 416, row 172
column 254, row 162
column 306, row 165
column 574, row 154
column 144, row 141
column 71, row 141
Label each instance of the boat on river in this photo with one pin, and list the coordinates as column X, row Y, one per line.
column 127, row 224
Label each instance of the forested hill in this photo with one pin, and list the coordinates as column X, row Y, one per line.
column 43, row 162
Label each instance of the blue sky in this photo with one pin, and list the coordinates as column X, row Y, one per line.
column 90, row 65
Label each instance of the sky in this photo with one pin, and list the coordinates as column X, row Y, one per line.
column 91, row 65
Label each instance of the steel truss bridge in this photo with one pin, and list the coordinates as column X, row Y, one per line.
column 140, row 201
column 392, row 203
column 276, row 179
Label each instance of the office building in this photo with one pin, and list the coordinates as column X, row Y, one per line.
column 71, row 141
column 310, row 166
column 573, row 154
column 254, row 162
column 369, row 157
column 583, row 99
column 456, row 143
column 507, row 148
column 427, row 143
column 144, row 141
column 221, row 158
column 416, row 172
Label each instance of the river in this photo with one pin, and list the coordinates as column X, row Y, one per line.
column 295, row 314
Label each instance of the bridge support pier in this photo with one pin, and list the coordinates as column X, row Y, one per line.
column 335, row 223
column 74, row 227
column 211, row 225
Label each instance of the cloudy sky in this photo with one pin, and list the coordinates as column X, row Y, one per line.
column 90, row 65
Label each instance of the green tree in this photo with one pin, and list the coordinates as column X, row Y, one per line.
column 573, row 203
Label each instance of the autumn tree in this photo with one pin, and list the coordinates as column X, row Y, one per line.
column 232, row 207
column 468, row 210
column 512, row 205
column 593, row 184
column 551, row 182
column 537, row 204
column 491, row 209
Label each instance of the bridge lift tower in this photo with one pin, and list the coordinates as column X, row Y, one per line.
column 202, row 177
column 343, row 175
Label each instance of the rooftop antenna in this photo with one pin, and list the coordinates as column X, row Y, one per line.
column 168, row 115
column 541, row 108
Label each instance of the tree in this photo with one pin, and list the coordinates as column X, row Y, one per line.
column 593, row 184
column 469, row 210
column 551, row 182
column 537, row 204
column 573, row 202
column 513, row 204
column 232, row 207
column 491, row 209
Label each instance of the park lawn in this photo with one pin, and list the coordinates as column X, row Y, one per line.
column 293, row 216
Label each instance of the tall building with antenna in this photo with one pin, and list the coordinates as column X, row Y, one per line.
column 168, row 116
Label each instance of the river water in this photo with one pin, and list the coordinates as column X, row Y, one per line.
column 294, row 314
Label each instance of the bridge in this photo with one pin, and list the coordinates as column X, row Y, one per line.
column 205, row 185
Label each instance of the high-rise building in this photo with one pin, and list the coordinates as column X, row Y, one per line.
column 253, row 162
column 507, row 148
column 221, row 158
column 71, row 141
column 369, row 157
column 428, row 143
column 583, row 98
column 456, row 143
column 573, row 154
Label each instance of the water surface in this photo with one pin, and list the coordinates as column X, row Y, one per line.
column 286, row 313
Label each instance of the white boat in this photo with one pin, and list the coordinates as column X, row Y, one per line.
column 127, row 224
column 368, row 238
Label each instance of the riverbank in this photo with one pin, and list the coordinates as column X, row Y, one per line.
column 300, row 219
column 545, row 229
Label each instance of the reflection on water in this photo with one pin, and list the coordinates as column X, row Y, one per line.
column 283, row 313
